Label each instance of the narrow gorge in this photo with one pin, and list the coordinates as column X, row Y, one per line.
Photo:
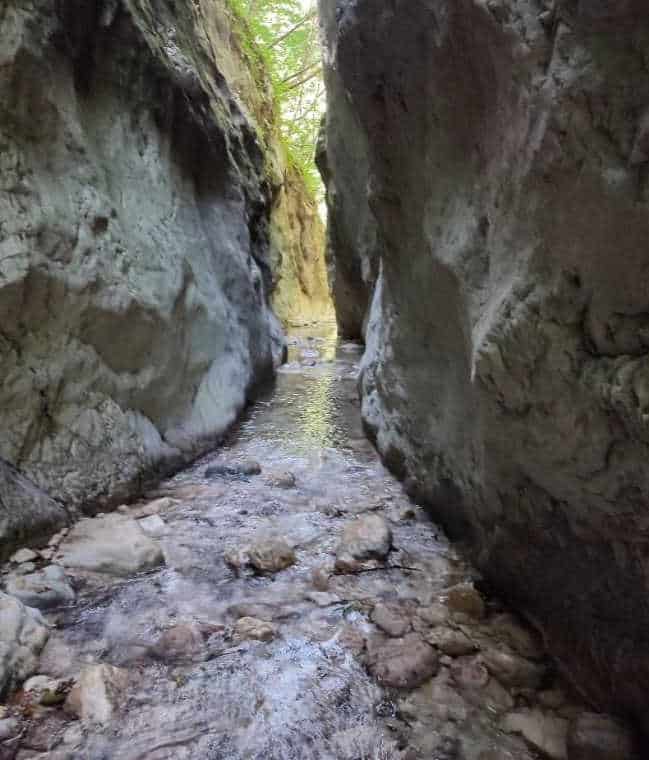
column 230, row 429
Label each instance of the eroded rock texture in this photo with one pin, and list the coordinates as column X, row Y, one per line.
column 505, row 168
column 138, row 191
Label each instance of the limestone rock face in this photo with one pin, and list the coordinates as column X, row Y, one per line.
column 138, row 180
column 501, row 162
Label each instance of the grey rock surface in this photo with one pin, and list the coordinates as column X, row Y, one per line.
column 23, row 635
column 503, row 163
column 137, row 205
column 42, row 589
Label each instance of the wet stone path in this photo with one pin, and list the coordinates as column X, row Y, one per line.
column 282, row 599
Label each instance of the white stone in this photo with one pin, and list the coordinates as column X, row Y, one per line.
column 114, row 544
column 23, row 555
column 544, row 731
column 23, row 634
column 97, row 693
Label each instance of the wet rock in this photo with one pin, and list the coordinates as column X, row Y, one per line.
column 451, row 642
column 367, row 537
column 97, row 693
column 391, row 618
column 522, row 640
column 154, row 526
column 599, row 737
column 23, row 634
column 43, row 589
column 114, row 545
column 512, row 670
column 23, row 555
column 436, row 698
column 233, row 469
column 433, row 614
column 320, row 578
column 545, row 732
column 181, row 641
column 9, row 727
column 469, row 673
column 253, row 628
column 322, row 598
column 351, row 639
column 281, row 479
column 270, row 555
column 58, row 659
column 25, row 568
column 551, row 698
column 403, row 663
column 464, row 599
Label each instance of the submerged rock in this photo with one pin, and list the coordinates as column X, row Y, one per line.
column 464, row 599
column 281, row 479
column 113, row 544
column 23, row 634
column 391, row 618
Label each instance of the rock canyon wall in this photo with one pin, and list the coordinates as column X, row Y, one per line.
column 145, row 221
column 497, row 154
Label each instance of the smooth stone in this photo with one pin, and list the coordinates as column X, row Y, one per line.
column 403, row 663
column 466, row 600
column 281, row 480
column 153, row 526
column 114, row 545
column 270, row 555
column 593, row 736
column 434, row 614
column 390, row 618
column 512, row 670
column 367, row 537
column 9, row 727
column 58, row 659
column 451, row 642
column 23, row 634
column 23, row 555
column 96, row 695
column 43, row 589
column 180, row 641
column 255, row 629
column 544, row 731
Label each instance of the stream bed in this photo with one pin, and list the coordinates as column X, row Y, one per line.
column 283, row 599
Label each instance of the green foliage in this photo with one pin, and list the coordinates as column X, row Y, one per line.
column 282, row 35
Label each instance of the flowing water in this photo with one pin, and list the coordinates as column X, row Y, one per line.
column 307, row 692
